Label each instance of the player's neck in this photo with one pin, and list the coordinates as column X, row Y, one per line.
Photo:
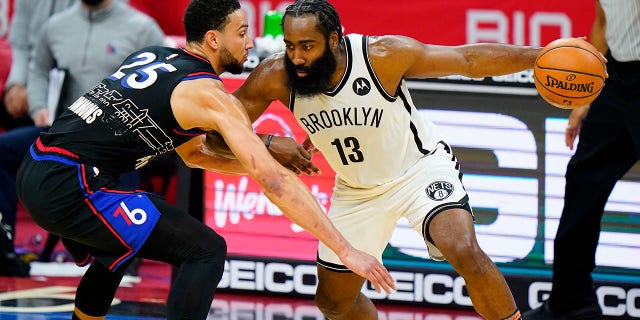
column 340, row 54
column 205, row 52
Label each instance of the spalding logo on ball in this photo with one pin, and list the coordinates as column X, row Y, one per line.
column 569, row 73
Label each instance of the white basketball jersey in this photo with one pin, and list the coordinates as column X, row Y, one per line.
column 367, row 136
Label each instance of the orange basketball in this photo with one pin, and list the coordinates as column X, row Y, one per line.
column 569, row 73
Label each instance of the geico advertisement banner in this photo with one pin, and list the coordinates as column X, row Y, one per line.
column 513, row 157
column 423, row 287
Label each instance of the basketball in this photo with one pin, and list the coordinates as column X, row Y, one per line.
column 569, row 73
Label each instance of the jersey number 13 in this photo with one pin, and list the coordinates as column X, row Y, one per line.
column 350, row 145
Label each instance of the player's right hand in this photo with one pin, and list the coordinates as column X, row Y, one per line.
column 369, row 268
column 308, row 145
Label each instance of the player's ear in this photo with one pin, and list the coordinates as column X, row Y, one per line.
column 334, row 40
column 212, row 37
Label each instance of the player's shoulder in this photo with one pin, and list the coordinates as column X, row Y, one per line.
column 273, row 63
column 391, row 42
column 272, row 67
column 268, row 79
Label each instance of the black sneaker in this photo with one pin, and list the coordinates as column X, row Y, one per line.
column 544, row 312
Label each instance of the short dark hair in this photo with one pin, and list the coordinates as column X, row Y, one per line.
column 204, row 15
column 326, row 14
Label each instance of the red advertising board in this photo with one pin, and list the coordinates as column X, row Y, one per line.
column 237, row 209
column 436, row 21
column 6, row 11
column 469, row 21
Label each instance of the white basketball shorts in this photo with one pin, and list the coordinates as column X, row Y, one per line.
column 367, row 217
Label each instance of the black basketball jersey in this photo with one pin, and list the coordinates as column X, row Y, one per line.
column 127, row 119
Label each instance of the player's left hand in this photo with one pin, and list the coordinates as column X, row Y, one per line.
column 292, row 155
column 369, row 268
column 215, row 143
column 575, row 124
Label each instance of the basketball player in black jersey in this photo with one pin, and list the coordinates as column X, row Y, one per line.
column 389, row 168
column 161, row 99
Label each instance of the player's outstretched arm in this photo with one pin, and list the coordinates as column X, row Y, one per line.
column 205, row 104
column 409, row 58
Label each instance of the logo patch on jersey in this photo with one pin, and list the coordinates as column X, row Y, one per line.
column 361, row 86
column 111, row 49
column 439, row 190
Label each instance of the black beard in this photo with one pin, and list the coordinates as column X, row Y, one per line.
column 229, row 63
column 318, row 78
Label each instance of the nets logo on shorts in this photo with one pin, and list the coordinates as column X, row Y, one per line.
column 439, row 190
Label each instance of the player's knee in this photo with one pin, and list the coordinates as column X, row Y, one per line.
column 218, row 247
column 211, row 260
column 211, row 248
column 463, row 253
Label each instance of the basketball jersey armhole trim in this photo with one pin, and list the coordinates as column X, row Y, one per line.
column 188, row 132
column 347, row 71
column 200, row 75
column 292, row 99
column 374, row 77
column 412, row 126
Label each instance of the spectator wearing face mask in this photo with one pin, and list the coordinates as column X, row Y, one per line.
column 26, row 24
column 88, row 41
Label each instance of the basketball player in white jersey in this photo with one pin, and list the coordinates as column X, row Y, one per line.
column 348, row 93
